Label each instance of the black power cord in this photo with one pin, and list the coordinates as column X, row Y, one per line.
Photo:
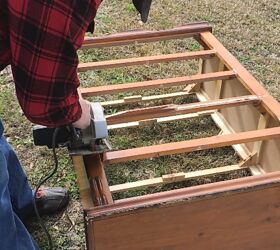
column 41, row 182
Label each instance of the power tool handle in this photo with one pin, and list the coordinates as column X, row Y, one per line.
column 42, row 136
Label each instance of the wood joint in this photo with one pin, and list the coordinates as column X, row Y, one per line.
column 132, row 99
column 192, row 88
column 259, row 106
column 169, row 178
column 247, row 162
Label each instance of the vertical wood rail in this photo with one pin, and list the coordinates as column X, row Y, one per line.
column 263, row 123
column 219, row 83
column 82, row 179
column 195, row 87
column 99, row 185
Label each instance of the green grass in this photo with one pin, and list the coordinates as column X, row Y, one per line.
column 249, row 29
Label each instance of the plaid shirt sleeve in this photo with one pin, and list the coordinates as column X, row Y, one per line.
column 44, row 39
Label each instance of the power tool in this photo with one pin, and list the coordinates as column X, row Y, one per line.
column 92, row 140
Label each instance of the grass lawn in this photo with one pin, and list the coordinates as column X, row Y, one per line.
column 249, row 29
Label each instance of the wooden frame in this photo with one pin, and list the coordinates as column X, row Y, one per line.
column 236, row 214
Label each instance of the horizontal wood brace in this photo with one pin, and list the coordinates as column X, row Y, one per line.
column 161, row 120
column 172, row 109
column 145, row 60
column 172, row 178
column 160, row 83
column 143, row 99
column 189, row 30
column 191, row 145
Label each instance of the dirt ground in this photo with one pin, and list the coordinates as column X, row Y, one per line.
column 249, row 29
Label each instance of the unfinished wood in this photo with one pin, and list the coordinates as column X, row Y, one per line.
column 144, row 99
column 192, row 88
column 125, row 38
column 248, row 220
column 191, row 145
column 94, row 168
column 220, row 121
column 263, row 123
column 232, row 120
column 225, row 127
column 219, row 83
column 82, row 180
column 240, row 149
column 82, row 67
column 172, row 178
column 162, row 120
column 172, row 109
column 169, row 82
column 269, row 155
column 211, row 65
column 268, row 102
column 132, row 99
column 243, row 118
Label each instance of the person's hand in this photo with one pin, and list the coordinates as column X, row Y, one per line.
column 84, row 121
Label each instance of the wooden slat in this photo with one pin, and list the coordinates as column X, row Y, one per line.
column 263, row 123
column 82, row 180
column 129, row 37
column 145, row 60
column 161, row 120
column 219, row 83
column 268, row 102
column 163, row 180
column 143, row 99
column 190, row 146
column 160, row 83
column 172, row 109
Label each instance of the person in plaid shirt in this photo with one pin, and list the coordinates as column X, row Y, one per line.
column 40, row 39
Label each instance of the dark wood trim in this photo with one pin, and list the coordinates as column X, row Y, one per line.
column 204, row 54
column 189, row 30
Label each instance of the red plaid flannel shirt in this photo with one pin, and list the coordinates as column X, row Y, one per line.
column 40, row 39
